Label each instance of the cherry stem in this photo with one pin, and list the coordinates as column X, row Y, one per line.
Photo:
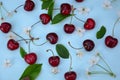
column 1, row 11
column 19, row 36
column 115, row 26
column 50, row 51
column 74, row 47
column 79, row 19
column 72, row 14
column 102, row 67
column 29, row 46
column 39, row 44
column 18, row 8
column 5, row 9
column 104, row 62
column 70, row 62
column 35, row 24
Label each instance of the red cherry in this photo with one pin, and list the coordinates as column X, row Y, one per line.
column 88, row 45
column 30, row 58
column 69, row 28
column 111, row 42
column 65, row 9
column 89, row 24
column 45, row 18
column 54, row 61
column 71, row 75
column 52, row 38
column 29, row 5
column 5, row 27
column 79, row 0
column 12, row 44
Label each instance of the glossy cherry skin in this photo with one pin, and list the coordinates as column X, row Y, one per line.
column 69, row 28
column 89, row 24
column 5, row 27
column 52, row 38
column 29, row 5
column 30, row 58
column 45, row 18
column 79, row 0
column 111, row 42
column 12, row 44
column 65, row 9
column 71, row 75
column 54, row 61
column 88, row 45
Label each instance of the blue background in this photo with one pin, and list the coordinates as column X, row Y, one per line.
column 22, row 19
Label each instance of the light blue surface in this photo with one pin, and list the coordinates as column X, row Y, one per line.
column 23, row 19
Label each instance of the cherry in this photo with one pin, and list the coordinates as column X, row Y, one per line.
column 45, row 18
column 111, row 42
column 89, row 24
column 5, row 27
column 88, row 45
column 69, row 28
column 65, row 9
column 71, row 75
column 54, row 61
column 12, row 44
column 29, row 5
column 30, row 58
column 79, row 0
column 52, row 38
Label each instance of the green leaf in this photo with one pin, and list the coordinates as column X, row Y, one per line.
column 50, row 10
column 62, row 51
column 100, row 34
column 22, row 52
column 32, row 71
column 46, row 4
column 58, row 18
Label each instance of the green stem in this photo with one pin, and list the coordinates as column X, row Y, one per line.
column 39, row 44
column 102, row 67
column 105, row 62
column 50, row 51
column 98, row 72
column 74, row 47
column 115, row 25
column 1, row 11
column 79, row 19
column 18, row 8
column 5, row 9
column 70, row 62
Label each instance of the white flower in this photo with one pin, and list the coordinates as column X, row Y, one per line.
column 79, row 53
column 107, row 4
column 10, row 14
column 27, row 30
column 7, row 63
column 84, row 10
column 54, row 70
column 11, row 36
column 80, row 31
column 94, row 60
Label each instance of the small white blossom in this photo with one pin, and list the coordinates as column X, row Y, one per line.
column 79, row 53
column 94, row 60
column 11, row 36
column 107, row 4
column 54, row 70
column 84, row 10
column 7, row 63
column 26, row 30
column 80, row 31
column 10, row 14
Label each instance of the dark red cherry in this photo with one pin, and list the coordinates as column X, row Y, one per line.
column 54, row 61
column 111, row 42
column 65, row 9
column 12, row 44
column 71, row 75
column 52, row 38
column 30, row 58
column 89, row 24
column 29, row 5
column 5, row 27
column 79, row 0
column 69, row 28
column 45, row 18
column 88, row 45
